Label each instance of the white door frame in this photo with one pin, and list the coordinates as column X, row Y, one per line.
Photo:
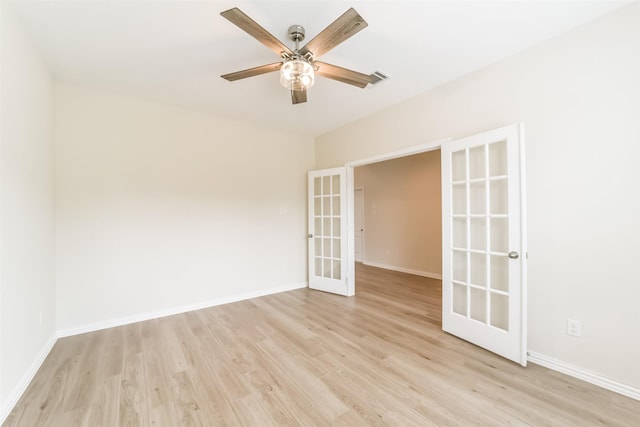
column 410, row 151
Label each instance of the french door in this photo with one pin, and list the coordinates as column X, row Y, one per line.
column 328, row 243
column 484, row 254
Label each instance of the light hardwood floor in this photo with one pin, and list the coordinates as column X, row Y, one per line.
column 306, row 358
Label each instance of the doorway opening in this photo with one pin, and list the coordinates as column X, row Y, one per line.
column 398, row 228
column 377, row 169
column 402, row 212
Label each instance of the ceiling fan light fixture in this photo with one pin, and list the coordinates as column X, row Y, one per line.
column 298, row 66
column 296, row 74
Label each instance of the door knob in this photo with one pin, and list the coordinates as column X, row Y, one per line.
column 514, row 255
column 310, row 235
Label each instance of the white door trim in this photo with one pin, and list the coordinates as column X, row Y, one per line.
column 404, row 152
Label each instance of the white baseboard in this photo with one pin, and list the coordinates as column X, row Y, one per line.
column 584, row 375
column 404, row 270
column 24, row 382
column 111, row 323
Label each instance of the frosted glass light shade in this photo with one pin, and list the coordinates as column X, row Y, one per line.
column 296, row 75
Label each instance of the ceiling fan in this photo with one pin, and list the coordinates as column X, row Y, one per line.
column 298, row 67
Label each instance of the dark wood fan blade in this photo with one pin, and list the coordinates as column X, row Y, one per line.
column 298, row 96
column 343, row 75
column 251, row 27
column 338, row 31
column 250, row 72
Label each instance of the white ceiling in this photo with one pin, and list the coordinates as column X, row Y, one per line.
column 175, row 51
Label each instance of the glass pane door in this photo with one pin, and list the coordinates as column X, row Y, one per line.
column 483, row 287
column 326, row 235
column 327, row 228
column 481, row 234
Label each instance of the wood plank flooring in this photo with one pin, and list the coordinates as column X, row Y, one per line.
column 306, row 358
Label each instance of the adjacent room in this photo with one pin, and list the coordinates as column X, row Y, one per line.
column 401, row 209
column 319, row 213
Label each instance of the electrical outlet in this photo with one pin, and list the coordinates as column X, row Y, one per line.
column 574, row 328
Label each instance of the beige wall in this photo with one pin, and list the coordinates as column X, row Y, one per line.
column 27, row 287
column 159, row 208
column 402, row 213
column 579, row 97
